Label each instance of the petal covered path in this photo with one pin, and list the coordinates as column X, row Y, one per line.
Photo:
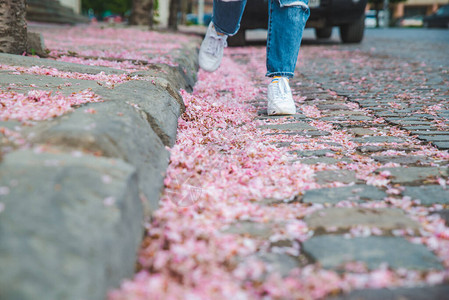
column 285, row 207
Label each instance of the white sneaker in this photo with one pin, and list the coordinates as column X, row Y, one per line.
column 280, row 99
column 211, row 51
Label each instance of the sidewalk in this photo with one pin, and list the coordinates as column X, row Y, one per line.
column 83, row 155
column 335, row 201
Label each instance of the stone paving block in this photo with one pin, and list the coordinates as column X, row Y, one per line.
column 402, row 159
column 360, row 131
column 356, row 193
column 441, row 145
column 374, row 148
column 439, row 292
column 324, row 160
column 344, row 176
column 292, row 118
column 311, row 153
column 288, row 126
column 341, row 219
column 359, row 118
column 71, row 226
column 434, row 138
column 307, row 133
column 257, row 230
column 345, row 113
column 412, row 123
column 429, row 194
column 421, row 127
column 430, row 132
column 414, row 175
column 283, row 144
column 332, row 251
column 334, row 107
column 279, row 263
column 378, row 139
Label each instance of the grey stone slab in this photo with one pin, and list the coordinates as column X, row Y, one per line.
column 441, row 145
column 332, row 251
column 302, row 133
column 374, row 148
column 342, row 219
column 160, row 106
column 282, row 264
column 357, row 193
column 285, row 117
column 427, row 127
column 70, row 226
column 311, row 153
column 324, row 160
column 253, row 229
column 434, row 138
column 337, row 107
column 288, row 126
column 359, row 118
column 414, row 175
column 333, row 119
column 283, row 144
column 402, row 159
column 344, row 176
column 345, row 113
column 428, row 194
column 28, row 61
column 10, row 124
column 23, row 83
column 430, row 132
column 118, row 130
column 412, row 123
column 360, row 131
column 439, row 292
column 378, row 139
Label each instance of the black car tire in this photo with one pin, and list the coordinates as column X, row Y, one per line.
column 353, row 33
column 237, row 40
column 323, row 33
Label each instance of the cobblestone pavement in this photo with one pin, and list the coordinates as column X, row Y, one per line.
column 392, row 111
column 347, row 198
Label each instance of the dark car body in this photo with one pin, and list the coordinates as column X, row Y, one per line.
column 349, row 15
column 439, row 19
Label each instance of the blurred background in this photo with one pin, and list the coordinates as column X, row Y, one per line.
column 172, row 13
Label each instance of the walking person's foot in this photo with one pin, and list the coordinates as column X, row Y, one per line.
column 280, row 99
column 211, row 51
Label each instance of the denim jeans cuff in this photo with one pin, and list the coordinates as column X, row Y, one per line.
column 218, row 29
column 283, row 74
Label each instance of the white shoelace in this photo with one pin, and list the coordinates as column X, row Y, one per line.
column 215, row 43
column 281, row 90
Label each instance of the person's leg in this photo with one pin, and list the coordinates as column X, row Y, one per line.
column 286, row 22
column 225, row 21
column 227, row 16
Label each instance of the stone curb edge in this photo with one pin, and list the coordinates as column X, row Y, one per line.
column 71, row 217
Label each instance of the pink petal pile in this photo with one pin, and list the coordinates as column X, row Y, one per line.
column 39, row 105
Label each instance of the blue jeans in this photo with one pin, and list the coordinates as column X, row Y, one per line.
column 286, row 22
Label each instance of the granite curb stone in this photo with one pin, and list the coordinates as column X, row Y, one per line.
column 122, row 142
column 70, row 225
